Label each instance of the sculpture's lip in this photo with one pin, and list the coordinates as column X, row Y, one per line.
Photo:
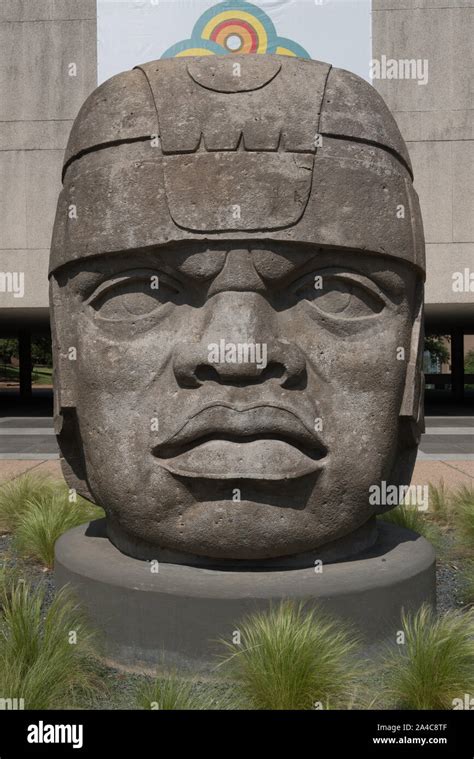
column 257, row 442
column 243, row 457
column 257, row 420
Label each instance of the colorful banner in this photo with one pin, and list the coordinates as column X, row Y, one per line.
column 131, row 32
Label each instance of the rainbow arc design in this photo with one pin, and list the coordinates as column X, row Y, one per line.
column 235, row 27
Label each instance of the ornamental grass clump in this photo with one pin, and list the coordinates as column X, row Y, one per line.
column 170, row 691
column 45, row 519
column 467, row 580
column 412, row 518
column 16, row 494
column 435, row 664
column 463, row 510
column 47, row 656
column 9, row 576
column 293, row 658
column 440, row 507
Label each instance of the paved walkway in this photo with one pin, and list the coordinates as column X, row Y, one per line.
column 446, row 451
column 27, row 438
column 448, row 438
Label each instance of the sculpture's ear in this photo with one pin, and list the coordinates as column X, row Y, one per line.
column 71, row 452
column 64, row 349
column 66, row 424
column 412, row 421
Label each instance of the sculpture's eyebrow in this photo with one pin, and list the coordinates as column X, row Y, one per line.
column 191, row 262
column 388, row 278
column 277, row 265
column 204, row 263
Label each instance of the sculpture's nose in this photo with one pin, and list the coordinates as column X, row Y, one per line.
column 237, row 346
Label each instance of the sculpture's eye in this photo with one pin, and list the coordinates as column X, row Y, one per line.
column 134, row 296
column 341, row 296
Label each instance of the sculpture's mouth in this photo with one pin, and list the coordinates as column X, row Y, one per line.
column 263, row 443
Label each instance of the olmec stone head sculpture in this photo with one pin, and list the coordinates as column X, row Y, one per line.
column 236, row 285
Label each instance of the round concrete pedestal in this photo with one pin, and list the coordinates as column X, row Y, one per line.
column 176, row 614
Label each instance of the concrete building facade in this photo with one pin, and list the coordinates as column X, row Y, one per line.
column 437, row 122
column 48, row 66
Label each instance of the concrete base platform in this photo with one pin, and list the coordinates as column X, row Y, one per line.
column 175, row 615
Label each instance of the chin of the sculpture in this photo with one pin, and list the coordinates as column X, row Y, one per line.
column 245, row 553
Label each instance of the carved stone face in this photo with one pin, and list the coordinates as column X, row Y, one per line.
column 193, row 450
column 238, row 384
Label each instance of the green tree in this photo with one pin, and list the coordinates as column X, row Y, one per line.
column 41, row 350
column 8, row 348
column 469, row 366
column 469, row 362
column 437, row 348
